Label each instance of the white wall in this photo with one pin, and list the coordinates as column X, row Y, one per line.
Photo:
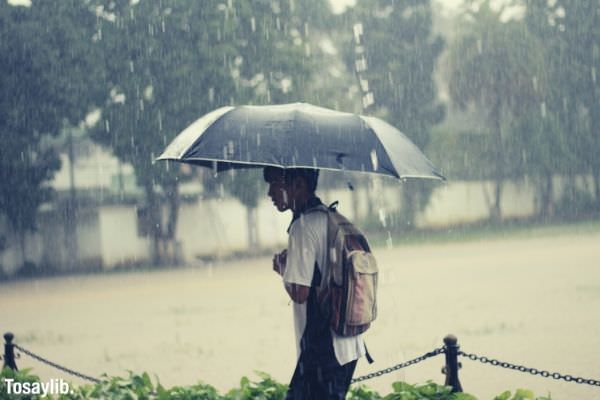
column 118, row 238
column 461, row 202
column 108, row 236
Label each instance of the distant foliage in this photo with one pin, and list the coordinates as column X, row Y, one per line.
column 400, row 50
column 497, row 69
column 46, row 75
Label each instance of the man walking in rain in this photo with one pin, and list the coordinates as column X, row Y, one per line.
column 326, row 361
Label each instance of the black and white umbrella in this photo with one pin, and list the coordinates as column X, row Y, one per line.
column 298, row 135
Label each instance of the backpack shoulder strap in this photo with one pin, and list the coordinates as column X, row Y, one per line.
column 320, row 207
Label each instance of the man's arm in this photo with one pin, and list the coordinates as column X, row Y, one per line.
column 298, row 293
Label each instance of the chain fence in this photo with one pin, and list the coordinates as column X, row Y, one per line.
column 399, row 366
column 55, row 365
column 451, row 368
column 533, row 371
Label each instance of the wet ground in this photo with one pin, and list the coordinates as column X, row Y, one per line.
column 530, row 301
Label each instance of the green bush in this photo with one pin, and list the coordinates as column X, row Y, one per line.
column 141, row 387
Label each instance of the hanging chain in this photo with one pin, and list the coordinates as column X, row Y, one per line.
column 52, row 364
column 436, row 352
column 399, row 366
column 533, row 371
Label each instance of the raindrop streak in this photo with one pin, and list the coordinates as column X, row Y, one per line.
column 382, row 217
column 388, row 241
column 285, row 196
column 374, row 160
column 361, row 64
column 358, row 31
column 543, row 109
column 364, row 85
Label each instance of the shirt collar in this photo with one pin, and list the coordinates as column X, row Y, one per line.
column 311, row 203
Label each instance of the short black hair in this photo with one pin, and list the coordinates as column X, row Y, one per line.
column 310, row 175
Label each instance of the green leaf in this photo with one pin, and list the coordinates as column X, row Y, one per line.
column 503, row 396
column 402, row 387
column 523, row 394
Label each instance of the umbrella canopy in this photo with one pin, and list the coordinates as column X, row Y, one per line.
column 298, row 135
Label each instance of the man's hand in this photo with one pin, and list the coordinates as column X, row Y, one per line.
column 298, row 293
column 279, row 261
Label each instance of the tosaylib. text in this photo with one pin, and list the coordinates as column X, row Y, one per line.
column 53, row 386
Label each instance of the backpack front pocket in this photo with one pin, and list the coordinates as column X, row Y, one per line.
column 361, row 306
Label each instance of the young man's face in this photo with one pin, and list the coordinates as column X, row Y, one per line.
column 280, row 193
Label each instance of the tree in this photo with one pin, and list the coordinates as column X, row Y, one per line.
column 400, row 52
column 46, row 77
column 498, row 67
column 570, row 33
column 167, row 64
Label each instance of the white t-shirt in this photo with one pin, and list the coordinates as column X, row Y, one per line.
column 307, row 243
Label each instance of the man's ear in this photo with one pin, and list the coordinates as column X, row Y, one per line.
column 299, row 184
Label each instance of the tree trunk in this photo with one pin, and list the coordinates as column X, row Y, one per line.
column 595, row 130
column 154, row 223
column 496, row 211
column 174, row 201
column 71, row 214
column 22, row 246
column 596, row 176
column 546, row 196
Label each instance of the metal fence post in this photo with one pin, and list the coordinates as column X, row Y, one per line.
column 9, row 352
column 452, row 365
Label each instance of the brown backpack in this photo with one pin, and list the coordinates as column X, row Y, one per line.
column 348, row 293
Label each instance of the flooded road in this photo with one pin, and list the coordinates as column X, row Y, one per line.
column 529, row 301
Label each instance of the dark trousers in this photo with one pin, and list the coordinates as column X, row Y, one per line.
column 318, row 375
column 322, row 380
